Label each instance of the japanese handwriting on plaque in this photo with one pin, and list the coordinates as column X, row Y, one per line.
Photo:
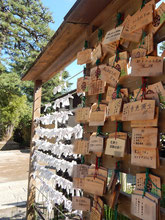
column 144, row 157
column 138, row 110
column 153, row 188
column 96, row 87
column 122, row 56
column 148, row 43
column 147, row 123
column 144, row 137
column 80, row 171
column 114, row 107
column 141, row 18
column 159, row 19
column 143, row 208
column 109, row 74
column 109, row 48
column 115, row 147
column 134, row 36
column 138, row 52
column 94, row 186
column 97, row 115
column 84, row 56
column 113, row 35
column 82, row 84
column 109, row 94
column 96, row 143
column 147, row 66
column 81, row 203
column 82, row 115
column 81, row 147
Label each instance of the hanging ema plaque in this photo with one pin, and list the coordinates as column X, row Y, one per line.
column 115, row 147
column 84, row 56
column 82, row 84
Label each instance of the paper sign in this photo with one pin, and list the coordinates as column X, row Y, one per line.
column 82, row 84
column 143, row 208
column 95, row 143
column 97, row 115
column 94, row 186
column 80, row 171
column 81, row 203
column 144, row 137
column 158, row 19
column 115, row 147
column 96, row 53
column 96, row 87
column 140, row 183
column 138, row 52
column 138, row 110
column 109, row 74
column 144, row 157
column 114, row 107
column 84, row 56
column 113, row 35
column 147, row 123
column 141, row 18
column 82, row 115
column 95, row 214
column 148, row 43
column 147, row 66
column 81, row 147
column 134, row 36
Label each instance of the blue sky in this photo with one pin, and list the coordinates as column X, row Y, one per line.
column 59, row 9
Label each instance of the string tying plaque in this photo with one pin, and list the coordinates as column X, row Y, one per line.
column 143, row 3
column 85, row 44
column 119, row 18
column 100, row 34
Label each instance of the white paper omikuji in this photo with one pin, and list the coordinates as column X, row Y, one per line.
column 54, row 162
column 47, row 106
column 64, row 101
column 60, row 133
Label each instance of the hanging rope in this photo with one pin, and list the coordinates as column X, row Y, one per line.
column 119, row 18
column 143, row 3
column 116, row 213
column 144, row 34
column 118, row 88
column 85, row 44
column 100, row 34
column 146, row 181
column 144, row 86
column 82, row 159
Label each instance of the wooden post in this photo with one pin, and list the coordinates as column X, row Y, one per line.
column 30, row 211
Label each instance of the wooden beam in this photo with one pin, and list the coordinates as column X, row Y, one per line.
column 30, row 212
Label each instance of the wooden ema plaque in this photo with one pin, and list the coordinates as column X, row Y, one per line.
column 95, row 214
column 138, row 52
column 84, row 56
column 97, row 115
column 82, row 84
column 96, row 54
column 143, row 208
column 145, row 157
column 80, row 171
column 114, row 107
column 111, row 93
column 113, row 35
column 96, row 144
column 81, row 203
column 100, row 172
column 94, row 185
column 138, row 110
column 148, row 43
column 141, row 18
column 146, row 123
column 122, row 56
column 109, row 48
column 96, row 87
column 159, row 19
column 115, row 147
column 120, row 135
column 140, row 183
column 134, row 36
column 81, row 147
column 78, row 183
column 144, row 137
column 109, row 75
column 82, row 115
column 147, row 66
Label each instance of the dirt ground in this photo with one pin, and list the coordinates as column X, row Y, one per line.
column 13, row 183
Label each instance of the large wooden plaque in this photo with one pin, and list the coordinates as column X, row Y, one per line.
column 147, row 66
column 138, row 110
